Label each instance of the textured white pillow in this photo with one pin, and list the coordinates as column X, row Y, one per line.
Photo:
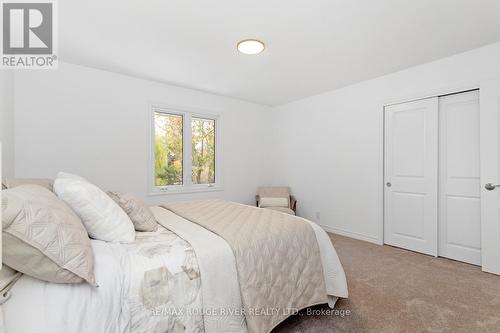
column 101, row 216
column 66, row 175
column 273, row 202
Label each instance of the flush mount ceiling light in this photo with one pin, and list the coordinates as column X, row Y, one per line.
column 251, row 46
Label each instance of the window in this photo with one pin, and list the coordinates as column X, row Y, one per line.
column 203, row 150
column 168, row 149
column 185, row 150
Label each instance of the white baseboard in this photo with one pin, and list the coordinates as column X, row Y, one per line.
column 351, row 234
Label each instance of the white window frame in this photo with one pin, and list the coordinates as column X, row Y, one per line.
column 187, row 164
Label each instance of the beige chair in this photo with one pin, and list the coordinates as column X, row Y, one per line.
column 276, row 198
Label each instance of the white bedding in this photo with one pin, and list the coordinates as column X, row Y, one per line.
column 141, row 288
column 220, row 288
column 38, row 306
column 151, row 285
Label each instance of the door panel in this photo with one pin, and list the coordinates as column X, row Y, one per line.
column 490, row 173
column 409, row 208
column 410, row 205
column 409, row 135
column 459, row 183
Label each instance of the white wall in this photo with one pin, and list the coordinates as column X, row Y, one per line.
column 96, row 124
column 329, row 147
column 7, row 122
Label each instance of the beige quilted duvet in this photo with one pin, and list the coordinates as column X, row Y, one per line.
column 277, row 258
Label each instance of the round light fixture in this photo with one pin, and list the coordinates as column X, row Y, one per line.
column 250, row 46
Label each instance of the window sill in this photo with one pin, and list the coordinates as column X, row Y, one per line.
column 185, row 190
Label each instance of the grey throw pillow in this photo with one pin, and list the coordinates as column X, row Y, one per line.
column 136, row 209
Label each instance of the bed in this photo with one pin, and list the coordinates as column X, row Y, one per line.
column 197, row 273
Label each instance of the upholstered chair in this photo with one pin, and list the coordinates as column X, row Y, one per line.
column 276, row 198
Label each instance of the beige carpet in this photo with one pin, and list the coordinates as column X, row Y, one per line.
column 394, row 290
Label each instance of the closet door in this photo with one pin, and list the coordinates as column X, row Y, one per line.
column 411, row 171
column 459, row 187
column 490, row 176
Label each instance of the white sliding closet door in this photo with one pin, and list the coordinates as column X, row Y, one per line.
column 490, row 176
column 411, row 170
column 459, row 229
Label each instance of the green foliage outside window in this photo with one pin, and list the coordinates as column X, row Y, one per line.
column 203, row 150
column 168, row 149
column 168, row 168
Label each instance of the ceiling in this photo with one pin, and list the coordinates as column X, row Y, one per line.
column 311, row 46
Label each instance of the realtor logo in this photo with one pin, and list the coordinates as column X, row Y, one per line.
column 28, row 35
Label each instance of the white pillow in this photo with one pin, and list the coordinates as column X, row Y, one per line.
column 101, row 216
column 66, row 175
column 273, row 202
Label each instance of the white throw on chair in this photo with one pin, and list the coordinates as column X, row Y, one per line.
column 276, row 198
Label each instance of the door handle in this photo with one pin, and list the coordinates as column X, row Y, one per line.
column 388, row 184
column 491, row 187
